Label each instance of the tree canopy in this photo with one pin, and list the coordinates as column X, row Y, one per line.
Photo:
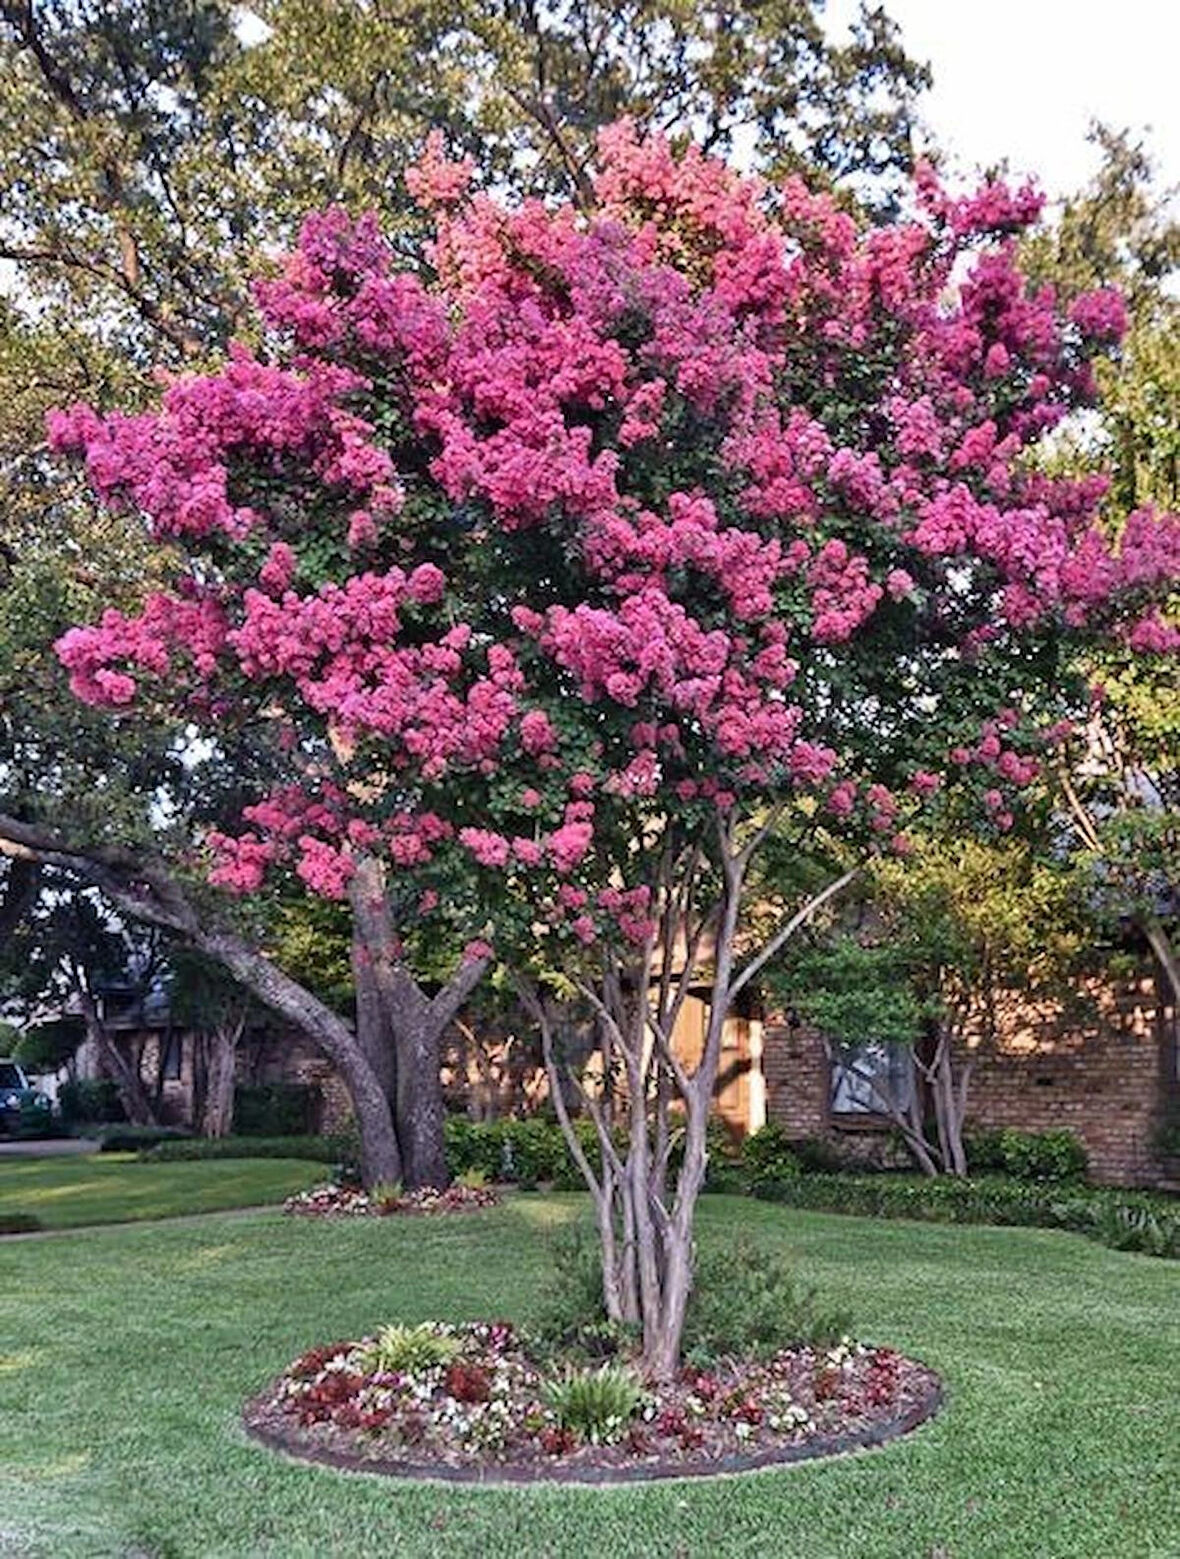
column 552, row 569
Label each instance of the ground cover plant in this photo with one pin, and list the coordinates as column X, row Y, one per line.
column 69, row 1192
column 349, row 1200
column 479, row 1401
column 1059, row 1428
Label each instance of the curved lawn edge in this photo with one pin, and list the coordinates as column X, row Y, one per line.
column 817, row 1448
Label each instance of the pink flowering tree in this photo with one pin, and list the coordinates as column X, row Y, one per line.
column 560, row 570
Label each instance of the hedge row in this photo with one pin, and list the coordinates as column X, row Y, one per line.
column 533, row 1151
column 1126, row 1220
column 322, row 1150
column 139, row 1139
column 260, row 1109
column 527, row 1152
column 1040, row 1157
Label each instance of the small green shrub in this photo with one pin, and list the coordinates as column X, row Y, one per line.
column 275, row 1109
column 574, row 1312
column 1044, row 1156
column 595, row 1404
column 411, row 1350
column 135, row 1139
column 472, row 1179
column 526, row 1152
column 90, row 1099
column 574, row 1324
column 748, row 1303
column 767, row 1156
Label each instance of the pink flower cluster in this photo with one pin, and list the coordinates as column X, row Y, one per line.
column 175, row 465
column 621, row 511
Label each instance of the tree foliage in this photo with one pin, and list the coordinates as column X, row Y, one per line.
column 1119, row 774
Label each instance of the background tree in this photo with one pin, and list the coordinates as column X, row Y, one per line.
column 1119, row 771
column 216, row 1011
column 66, row 958
column 918, row 967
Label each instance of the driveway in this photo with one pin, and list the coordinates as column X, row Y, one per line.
column 47, row 1147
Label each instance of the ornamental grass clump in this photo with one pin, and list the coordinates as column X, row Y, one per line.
column 595, row 1404
column 411, row 1350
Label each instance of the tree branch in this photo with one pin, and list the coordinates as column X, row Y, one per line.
column 785, row 932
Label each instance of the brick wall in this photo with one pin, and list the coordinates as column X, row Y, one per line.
column 1102, row 1071
column 1102, row 1066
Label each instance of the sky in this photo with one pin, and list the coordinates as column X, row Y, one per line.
column 1022, row 79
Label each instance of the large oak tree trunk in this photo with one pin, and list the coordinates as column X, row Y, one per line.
column 421, row 1113
column 380, row 1158
column 401, row 1028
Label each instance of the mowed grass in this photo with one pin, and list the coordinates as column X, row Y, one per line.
column 65, row 1193
column 127, row 1353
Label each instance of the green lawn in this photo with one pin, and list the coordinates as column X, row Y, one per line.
column 127, row 1351
column 65, row 1193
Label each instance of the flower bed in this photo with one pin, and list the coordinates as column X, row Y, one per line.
column 474, row 1403
column 342, row 1201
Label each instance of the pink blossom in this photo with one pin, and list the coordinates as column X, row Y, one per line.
column 670, row 455
column 1100, row 314
column 568, row 844
column 488, row 848
column 536, row 733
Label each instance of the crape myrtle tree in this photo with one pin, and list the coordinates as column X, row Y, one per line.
column 561, row 569
column 1119, row 773
column 149, row 151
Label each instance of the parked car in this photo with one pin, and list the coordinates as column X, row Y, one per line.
column 23, row 1108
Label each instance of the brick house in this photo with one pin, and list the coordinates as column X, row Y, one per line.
column 167, row 1057
column 1105, row 1065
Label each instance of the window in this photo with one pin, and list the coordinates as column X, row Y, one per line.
column 869, row 1078
column 170, row 1069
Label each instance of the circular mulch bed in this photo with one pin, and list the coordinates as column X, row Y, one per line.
column 486, row 1414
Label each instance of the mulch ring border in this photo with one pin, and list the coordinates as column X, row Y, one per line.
column 495, row 1475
